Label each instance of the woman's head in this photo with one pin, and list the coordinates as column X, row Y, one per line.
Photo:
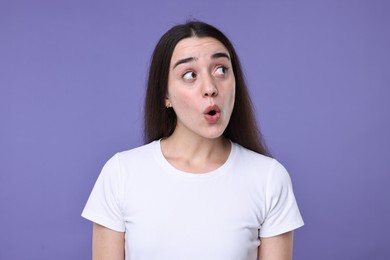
column 160, row 121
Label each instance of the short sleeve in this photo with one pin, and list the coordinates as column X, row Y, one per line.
column 104, row 203
column 282, row 212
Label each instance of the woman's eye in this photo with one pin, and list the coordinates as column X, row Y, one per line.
column 189, row 75
column 221, row 70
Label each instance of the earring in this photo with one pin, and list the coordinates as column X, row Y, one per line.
column 168, row 105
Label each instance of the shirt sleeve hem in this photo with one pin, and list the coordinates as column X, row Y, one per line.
column 103, row 221
column 281, row 230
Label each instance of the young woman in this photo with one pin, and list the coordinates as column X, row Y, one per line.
column 203, row 186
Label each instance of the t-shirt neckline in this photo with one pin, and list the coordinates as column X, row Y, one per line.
column 170, row 169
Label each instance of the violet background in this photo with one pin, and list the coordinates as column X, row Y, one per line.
column 72, row 76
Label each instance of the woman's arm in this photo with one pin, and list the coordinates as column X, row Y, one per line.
column 107, row 244
column 276, row 248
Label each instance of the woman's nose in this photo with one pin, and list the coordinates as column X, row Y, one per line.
column 209, row 88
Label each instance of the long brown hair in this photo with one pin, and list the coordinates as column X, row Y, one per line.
column 160, row 122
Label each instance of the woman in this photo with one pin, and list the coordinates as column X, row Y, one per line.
column 203, row 186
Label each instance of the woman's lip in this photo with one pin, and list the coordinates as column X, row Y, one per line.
column 212, row 118
column 212, row 108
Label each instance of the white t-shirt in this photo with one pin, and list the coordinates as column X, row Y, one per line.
column 168, row 214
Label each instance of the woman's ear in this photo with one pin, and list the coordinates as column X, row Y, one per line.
column 167, row 103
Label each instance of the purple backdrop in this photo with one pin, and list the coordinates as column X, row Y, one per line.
column 72, row 77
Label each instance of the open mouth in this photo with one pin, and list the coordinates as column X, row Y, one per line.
column 212, row 112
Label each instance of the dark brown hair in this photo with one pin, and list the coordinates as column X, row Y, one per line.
column 160, row 121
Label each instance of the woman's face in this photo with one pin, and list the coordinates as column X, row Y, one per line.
column 201, row 87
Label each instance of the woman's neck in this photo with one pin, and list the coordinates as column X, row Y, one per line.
column 195, row 155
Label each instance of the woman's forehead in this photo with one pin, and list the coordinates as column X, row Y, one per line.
column 196, row 47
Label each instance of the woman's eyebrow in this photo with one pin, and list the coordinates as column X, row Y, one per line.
column 190, row 59
column 185, row 60
column 220, row 55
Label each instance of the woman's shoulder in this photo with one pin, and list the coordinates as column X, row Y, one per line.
column 249, row 155
column 257, row 163
column 139, row 151
column 130, row 160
